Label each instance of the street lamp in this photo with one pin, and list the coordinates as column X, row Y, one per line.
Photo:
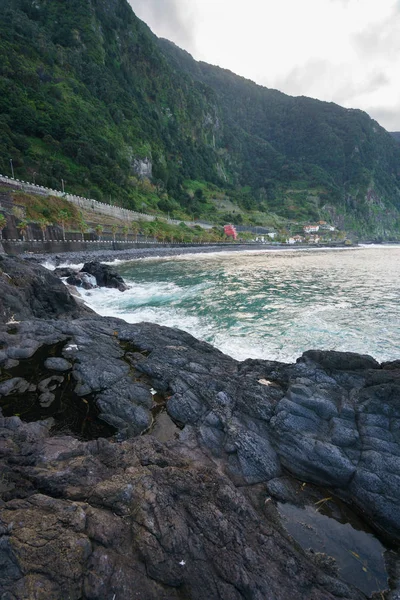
column 12, row 168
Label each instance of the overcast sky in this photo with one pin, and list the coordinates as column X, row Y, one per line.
column 345, row 51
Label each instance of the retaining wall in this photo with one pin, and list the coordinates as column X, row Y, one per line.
column 92, row 205
column 15, row 247
column 54, row 246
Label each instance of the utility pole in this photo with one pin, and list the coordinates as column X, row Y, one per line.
column 62, row 184
column 34, row 176
column 12, row 168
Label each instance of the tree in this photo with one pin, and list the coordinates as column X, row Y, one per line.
column 153, row 228
column 125, row 231
column 23, row 228
column 114, row 229
column 99, row 230
column 82, row 226
column 62, row 217
column 3, row 223
column 156, row 230
column 135, row 229
column 43, row 224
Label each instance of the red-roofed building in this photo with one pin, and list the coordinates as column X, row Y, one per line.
column 230, row 231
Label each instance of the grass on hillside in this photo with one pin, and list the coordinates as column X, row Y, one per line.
column 38, row 208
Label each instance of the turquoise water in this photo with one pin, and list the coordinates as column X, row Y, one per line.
column 272, row 305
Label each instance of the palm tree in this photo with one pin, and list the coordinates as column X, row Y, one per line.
column 99, row 230
column 23, row 229
column 135, row 229
column 82, row 226
column 153, row 229
column 3, row 223
column 114, row 229
column 62, row 217
column 43, row 224
column 125, row 231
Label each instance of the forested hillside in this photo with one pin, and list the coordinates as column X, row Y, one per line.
column 297, row 142
column 90, row 96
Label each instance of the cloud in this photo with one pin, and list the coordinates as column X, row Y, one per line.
column 381, row 38
column 343, row 51
column 171, row 19
column 341, row 83
column 389, row 118
column 324, row 79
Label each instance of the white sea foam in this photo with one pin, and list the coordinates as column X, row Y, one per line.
column 51, row 266
column 253, row 307
column 47, row 264
column 132, row 306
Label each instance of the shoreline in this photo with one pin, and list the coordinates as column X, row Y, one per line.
column 100, row 416
column 71, row 258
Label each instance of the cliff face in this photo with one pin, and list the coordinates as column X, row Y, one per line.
column 89, row 95
column 289, row 144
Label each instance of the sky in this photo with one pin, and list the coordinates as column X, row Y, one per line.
column 343, row 51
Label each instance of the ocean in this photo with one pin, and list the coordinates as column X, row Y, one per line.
column 272, row 304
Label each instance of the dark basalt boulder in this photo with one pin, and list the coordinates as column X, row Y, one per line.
column 64, row 272
column 84, row 280
column 105, row 276
column 30, row 291
column 340, row 361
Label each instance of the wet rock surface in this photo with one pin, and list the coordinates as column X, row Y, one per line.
column 27, row 290
column 138, row 520
column 192, row 517
column 85, row 280
column 105, row 276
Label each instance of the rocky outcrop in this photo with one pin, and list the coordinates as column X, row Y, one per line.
column 92, row 274
column 29, row 291
column 143, row 167
column 323, row 422
column 82, row 516
column 138, row 520
column 84, row 280
column 105, row 276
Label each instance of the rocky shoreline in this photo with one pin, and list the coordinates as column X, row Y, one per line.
column 155, row 252
column 139, row 462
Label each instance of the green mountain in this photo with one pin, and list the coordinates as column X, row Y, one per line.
column 89, row 95
column 396, row 135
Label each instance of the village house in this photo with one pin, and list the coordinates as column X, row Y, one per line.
column 296, row 239
column 310, row 228
column 314, row 239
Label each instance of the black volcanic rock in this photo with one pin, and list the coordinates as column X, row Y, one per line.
column 29, row 291
column 64, row 272
column 194, row 516
column 104, row 275
column 138, row 520
column 81, row 279
column 334, row 428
